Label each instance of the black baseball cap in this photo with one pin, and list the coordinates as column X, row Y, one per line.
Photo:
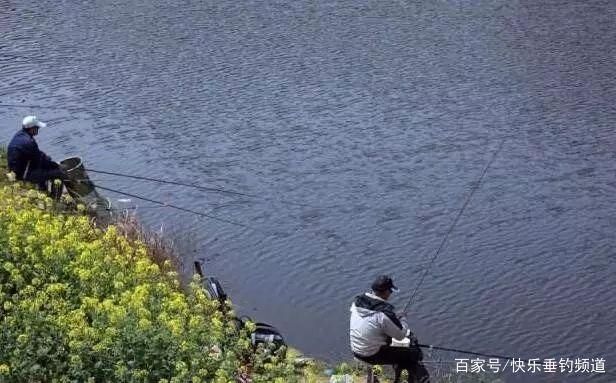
column 384, row 283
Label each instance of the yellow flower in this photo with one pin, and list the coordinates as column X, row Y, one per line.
column 22, row 339
column 103, row 294
column 145, row 324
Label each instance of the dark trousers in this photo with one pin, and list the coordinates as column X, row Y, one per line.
column 403, row 358
column 40, row 176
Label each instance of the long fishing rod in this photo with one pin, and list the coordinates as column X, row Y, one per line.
column 198, row 187
column 169, row 182
column 453, row 225
column 198, row 213
column 432, row 347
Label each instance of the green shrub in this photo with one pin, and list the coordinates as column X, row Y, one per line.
column 78, row 304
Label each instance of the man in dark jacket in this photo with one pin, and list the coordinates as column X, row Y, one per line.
column 373, row 326
column 26, row 160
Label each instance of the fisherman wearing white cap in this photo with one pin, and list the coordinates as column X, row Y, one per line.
column 26, row 160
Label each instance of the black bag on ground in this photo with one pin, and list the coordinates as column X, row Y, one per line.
column 267, row 334
column 264, row 334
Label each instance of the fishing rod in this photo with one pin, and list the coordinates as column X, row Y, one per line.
column 453, row 225
column 432, row 347
column 198, row 187
column 138, row 207
column 198, row 213
column 169, row 182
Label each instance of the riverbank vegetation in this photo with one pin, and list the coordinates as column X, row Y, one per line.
column 82, row 303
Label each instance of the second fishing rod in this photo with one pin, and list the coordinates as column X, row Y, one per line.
column 442, row 246
column 203, row 188
column 454, row 224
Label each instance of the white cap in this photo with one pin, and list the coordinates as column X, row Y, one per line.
column 31, row 122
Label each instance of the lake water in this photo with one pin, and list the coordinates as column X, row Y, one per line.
column 378, row 117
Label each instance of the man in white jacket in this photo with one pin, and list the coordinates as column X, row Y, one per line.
column 373, row 325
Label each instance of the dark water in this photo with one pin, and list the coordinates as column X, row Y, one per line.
column 380, row 115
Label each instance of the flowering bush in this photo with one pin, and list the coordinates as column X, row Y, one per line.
column 79, row 304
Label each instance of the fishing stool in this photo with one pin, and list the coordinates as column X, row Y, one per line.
column 371, row 378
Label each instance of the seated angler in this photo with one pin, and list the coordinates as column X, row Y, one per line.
column 373, row 325
column 26, row 160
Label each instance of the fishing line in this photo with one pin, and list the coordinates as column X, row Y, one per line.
column 202, row 188
column 198, row 213
column 138, row 207
column 169, row 182
column 453, row 225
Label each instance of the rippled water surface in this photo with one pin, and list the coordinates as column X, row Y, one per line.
column 378, row 116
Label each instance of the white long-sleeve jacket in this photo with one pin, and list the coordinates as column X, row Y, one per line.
column 370, row 328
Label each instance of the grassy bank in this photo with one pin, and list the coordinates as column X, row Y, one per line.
column 78, row 303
